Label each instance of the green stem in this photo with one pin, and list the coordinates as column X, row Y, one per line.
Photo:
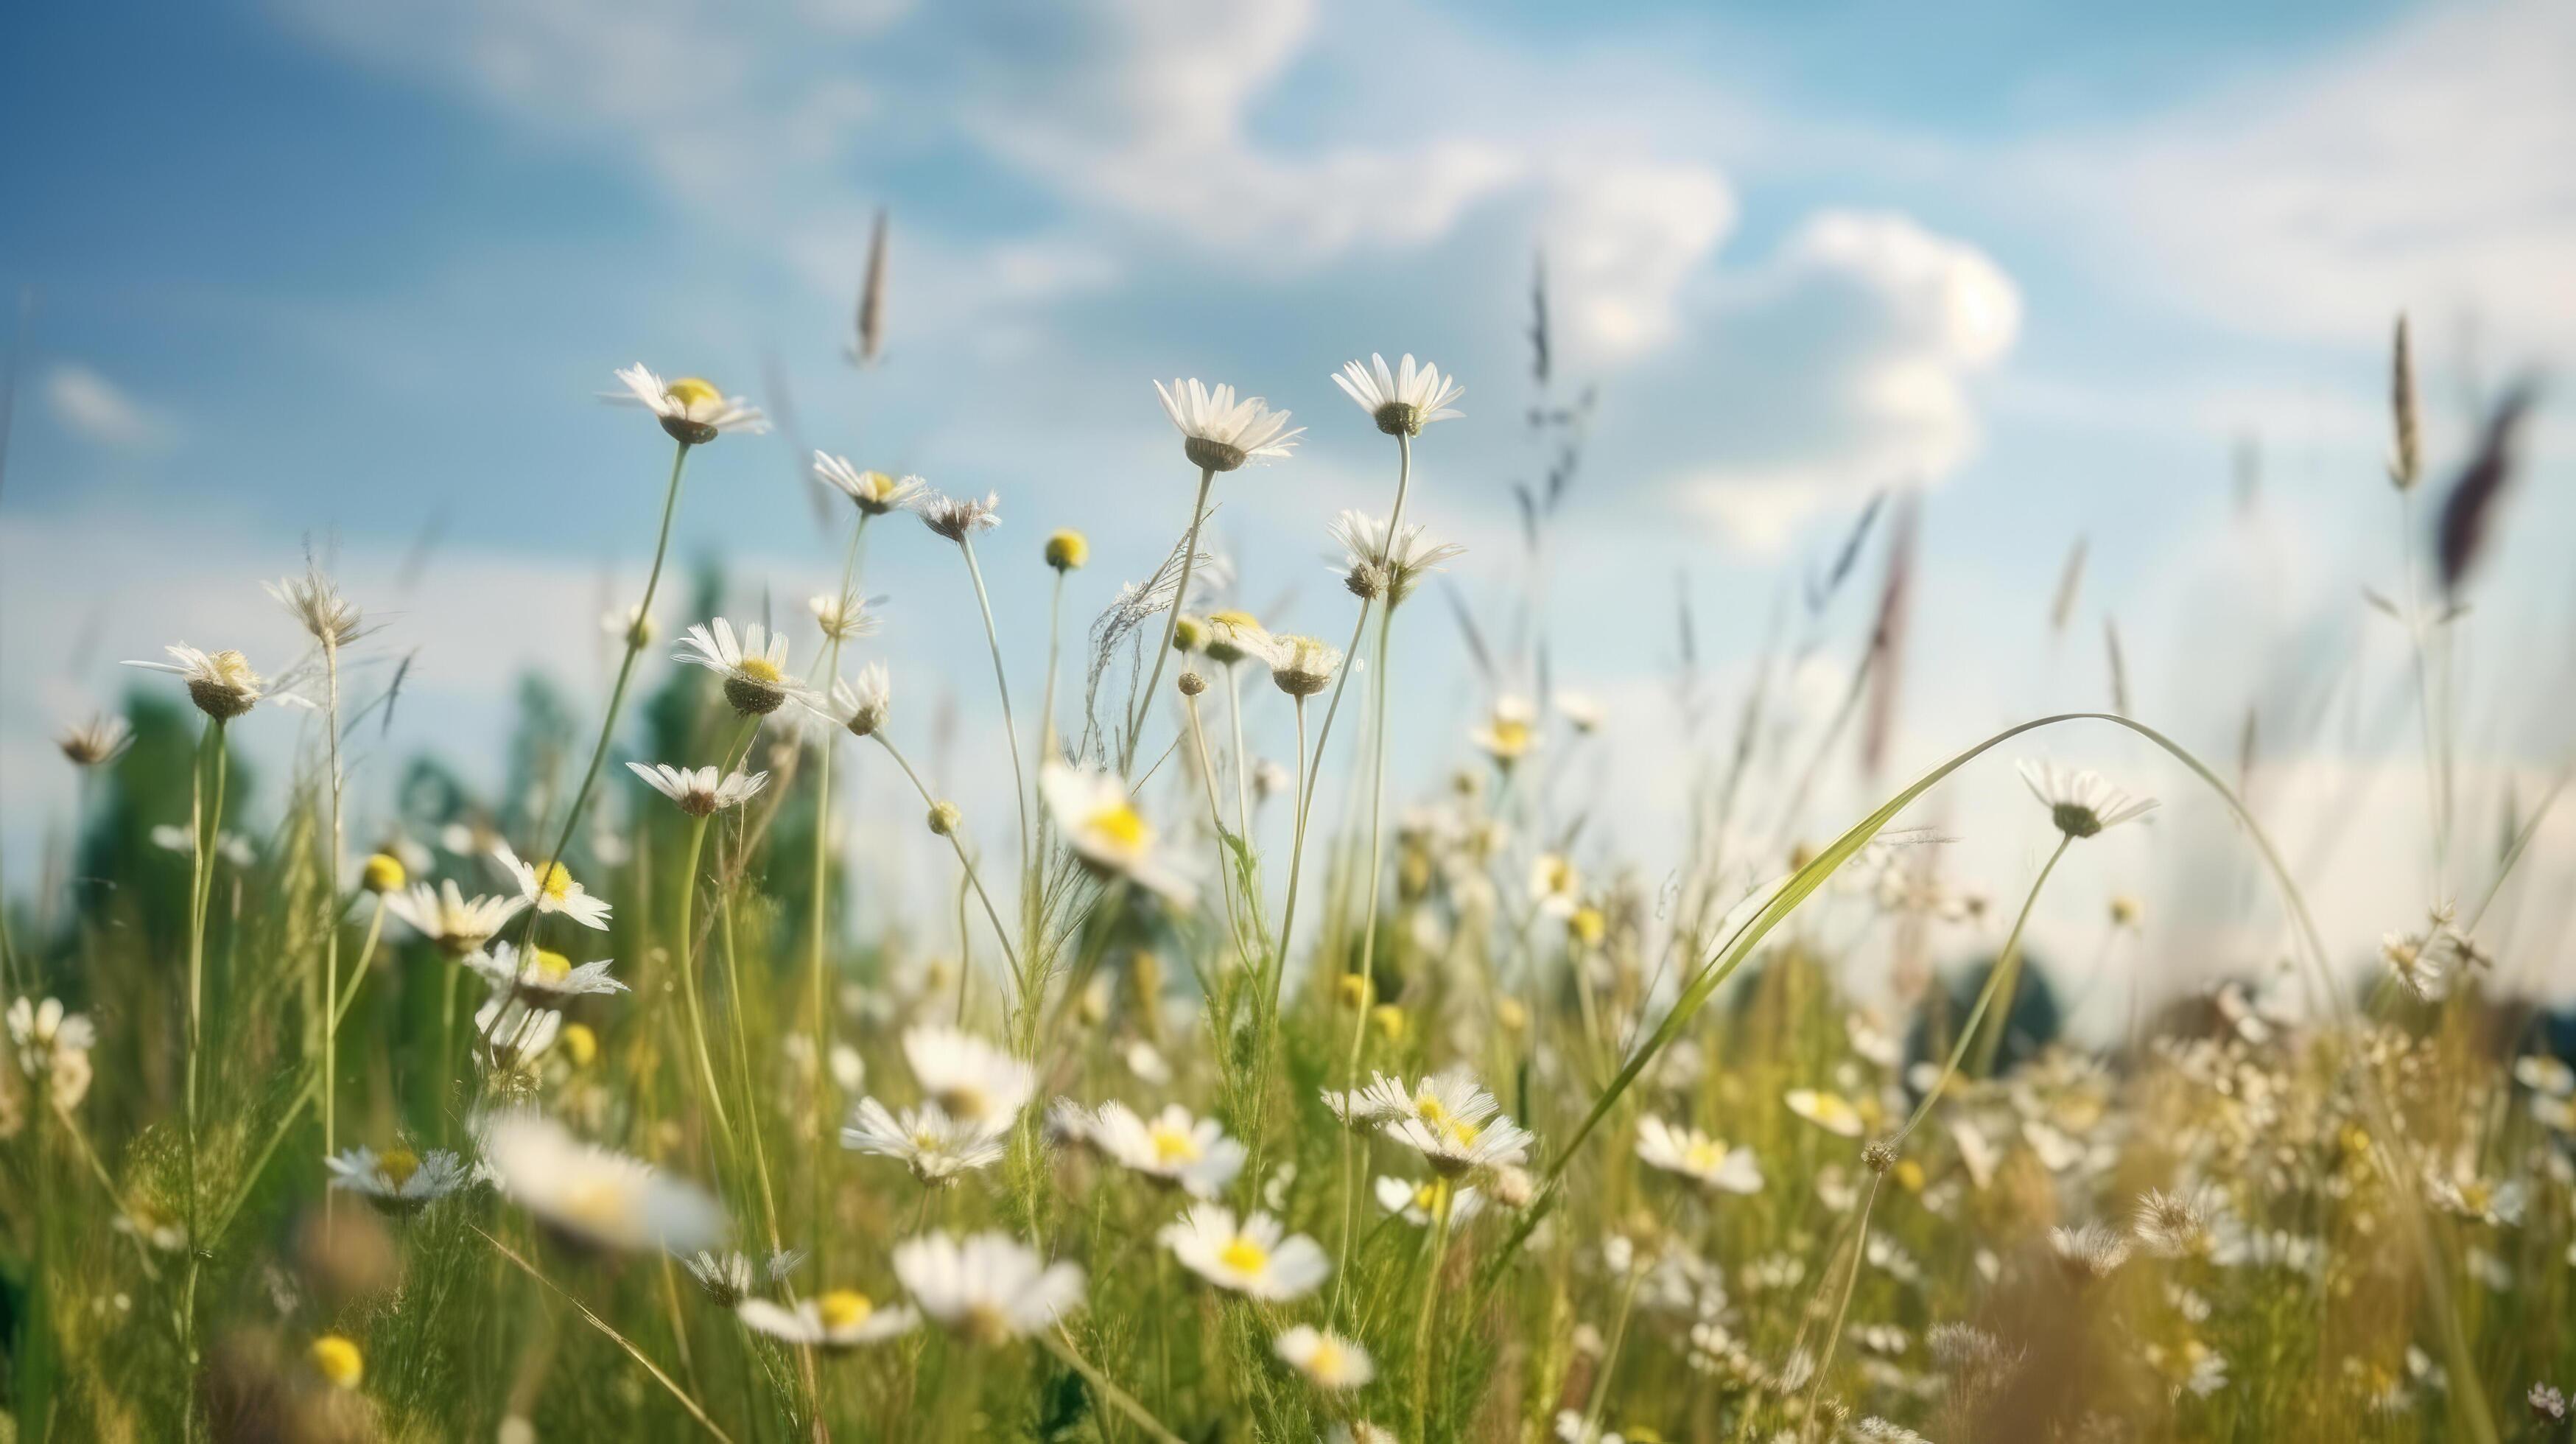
column 1423, row 1316
column 1060, row 1344
column 2003, row 981
column 1171, row 623
column 819, row 1000
column 1000, row 933
column 616, row 693
column 1010, row 727
column 689, row 975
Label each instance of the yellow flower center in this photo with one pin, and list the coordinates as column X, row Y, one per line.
column 1172, row 1145
column 549, row 967
column 1425, row 1196
column 2475, row 1196
column 397, row 1165
column 692, row 391
column 760, row 669
column 337, row 1360
column 231, row 668
column 966, row 1104
column 1704, row 1156
column 555, row 883
column 1231, row 618
column 1120, row 825
column 598, row 1202
column 1243, row 1255
column 843, row 1309
column 1430, row 1110
column 1327, row 1360
column 1511, row 736
column 1463, row 1134
column 579, row 1044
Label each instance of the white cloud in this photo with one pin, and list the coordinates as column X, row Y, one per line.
column 99, row 410
column 1623, row 239
column 1843, row 364
column 2425, row 167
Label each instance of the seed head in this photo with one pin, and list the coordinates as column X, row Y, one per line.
column 1192, row 684
column 1303, row 666
column 944, row 818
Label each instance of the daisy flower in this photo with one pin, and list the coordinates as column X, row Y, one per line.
column 842, row 618
column 989, row 1287
column 1556, row 889
column 42, row 1032
column 860, row 706
column 592, row 1196
column 934, row 1145
column 957, row 518
column 1696, row 1156
column 1375, row 564
column 971, row 1080
column 514, row 1034
column 317, row 606
column 1258, row 1258
column 1303, row 666
column 97, row 742
column 2546, row 1074
column 1439, row 1100
column 541, row 976
column 1459, row 1147
column 1173, row 1148
column 398, row 1180
column 2080, row 802
column 1328, row 1360
column 754, row 668
column 1580, row 711
column 700, row 791
column 443, row 915
column 1105, row 830
column 729, row 1278
column 693, row 411
column 1355, row 1109
column 557, row 894
column 839, row 1319
column 1509, row 734
column 1219, row 433
column 875, row 492
column 1414, row 1202
column 1829, row 1111
column 2089, row 1252
column 221, row 683
column 2418, row 968
column 2171, row 1225
column 1230, row 636
column 1402, row 401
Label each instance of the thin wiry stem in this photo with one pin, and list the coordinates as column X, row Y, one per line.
column 1001, row 934
column 617, row 692
column 695, row 1410
column 1144, row 707
column 1010, row 727
column 818, row 920
column 331, row 924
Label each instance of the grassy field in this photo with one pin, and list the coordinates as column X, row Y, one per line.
column 589, row 1108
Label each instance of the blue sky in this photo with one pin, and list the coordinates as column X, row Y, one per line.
column 318, row 269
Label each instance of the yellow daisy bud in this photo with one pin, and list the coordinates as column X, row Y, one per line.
column 337, row 1360
column 1067, row 550
column 1390, row 1021
column 384, row 873
column 1353, row 990
column 1512, row 1014
column 578, row 1043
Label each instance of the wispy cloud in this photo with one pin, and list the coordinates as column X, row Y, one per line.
column 100, row 411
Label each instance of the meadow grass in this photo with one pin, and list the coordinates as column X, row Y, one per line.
column 588, row 1108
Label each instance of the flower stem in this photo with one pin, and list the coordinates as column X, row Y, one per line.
column 689, row 975
column 1060, row 1344
column 1000, row 933
column 2002, row 980
column 331, row 922
column 1171, row 623
column 818, row 921
column 617, row 693
column 1422, row 1318
column 1002, row 684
